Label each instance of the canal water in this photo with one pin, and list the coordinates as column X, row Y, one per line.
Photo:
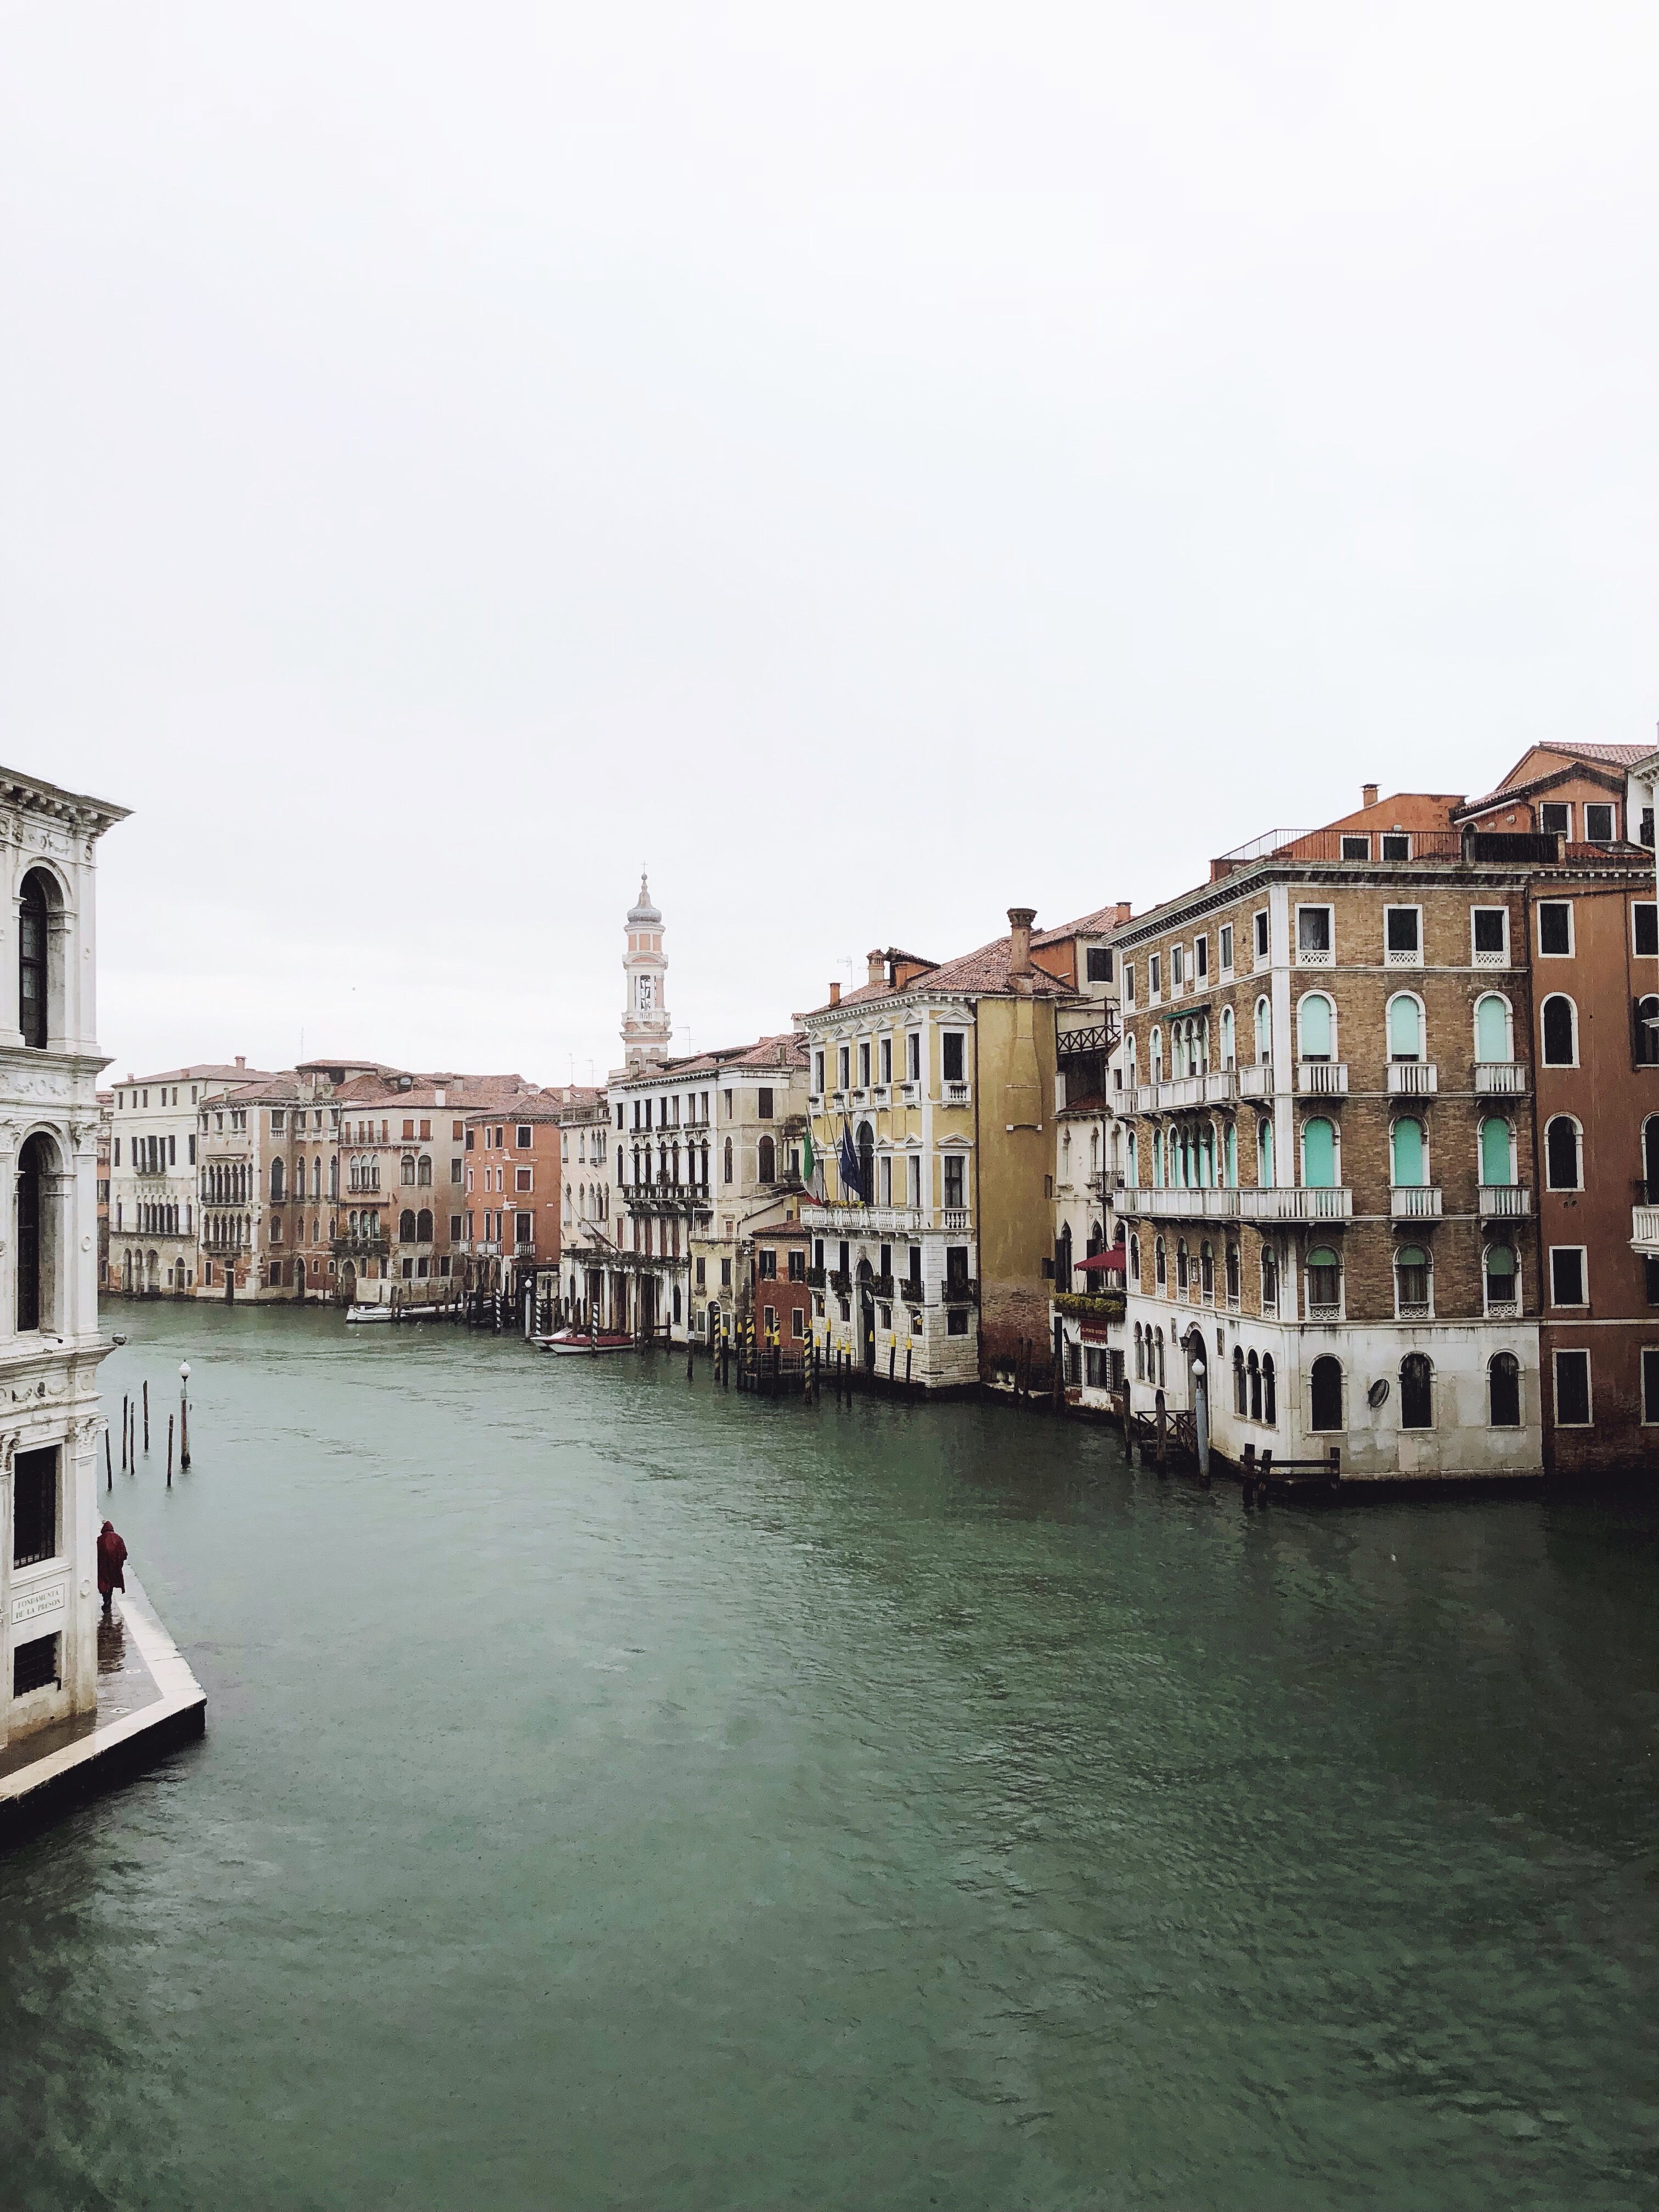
column 616, row 1793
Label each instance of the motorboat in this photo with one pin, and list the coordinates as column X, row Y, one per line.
column 576, row 1342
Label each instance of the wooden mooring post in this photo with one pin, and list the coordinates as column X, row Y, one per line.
column 146, row 1418
column 124, row 1432
column 169, row 1451
column 109, row 1467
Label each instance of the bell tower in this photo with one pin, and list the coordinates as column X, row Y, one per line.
column 645, row 1027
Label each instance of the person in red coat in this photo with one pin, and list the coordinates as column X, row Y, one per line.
column 111, row 1558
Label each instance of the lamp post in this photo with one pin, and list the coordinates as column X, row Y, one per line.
column 184, row 1417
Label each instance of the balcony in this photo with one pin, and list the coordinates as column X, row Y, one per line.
column 1504, row 1201
column 1500, row 1079
column 865, row 1220
column 957, row 1094
column 359, row 1248
column 953, row 1220
column 1412, row 1078
column 1330, row 1204
column 959, row 1290
column 1322, row 1078
column 815, row 1278
column 1178, row 1205
column 1415, row 1201
column 1644, row 1230
column 1255, row 1082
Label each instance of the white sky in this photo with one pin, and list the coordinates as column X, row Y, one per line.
column 878, row 466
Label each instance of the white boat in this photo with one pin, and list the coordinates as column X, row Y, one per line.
column 570, row 1341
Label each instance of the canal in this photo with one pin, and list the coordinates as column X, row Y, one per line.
column 616, row 1793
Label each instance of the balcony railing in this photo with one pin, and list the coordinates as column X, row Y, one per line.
column 1412, row 1078
column 1645, row 1230
column 1322, row 1078
column 1179, row 1204
column 953, row 1220
column 957, row 1094
column 1330, row 1204
column 359, row 1248
column 1255, row 1081
column 1504, row 1201
column 960, row 1291
column 1500, row 1079
column 866, row 1220
column 1415, row 1201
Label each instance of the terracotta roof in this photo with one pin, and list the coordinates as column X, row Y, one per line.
column 1086, row 924
column 206, row 1070
column 986, row 971
column 1621, row 756
column 784, row 1052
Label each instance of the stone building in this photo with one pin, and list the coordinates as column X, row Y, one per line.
column 593, row 1284
column 154, row 1205
column 514, row 1191
column 1087, row 1307
column 50, row 1343
column 932, row 1092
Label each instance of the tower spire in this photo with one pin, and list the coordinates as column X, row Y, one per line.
column 645, row 1027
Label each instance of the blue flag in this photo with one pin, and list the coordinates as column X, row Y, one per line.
column 852, row 1182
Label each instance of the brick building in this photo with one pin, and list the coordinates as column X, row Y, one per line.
column 780, row 1303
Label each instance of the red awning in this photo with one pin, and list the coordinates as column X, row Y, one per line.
column 1115, row 1261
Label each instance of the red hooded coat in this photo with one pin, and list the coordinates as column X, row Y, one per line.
column 111, row 1558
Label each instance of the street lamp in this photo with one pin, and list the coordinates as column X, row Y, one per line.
column 184, row 1417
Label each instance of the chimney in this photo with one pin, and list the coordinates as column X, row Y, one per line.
column 834, row 994
column 241, row 1060
column 1368, row 794
column 1020, row 918
column 877, row 967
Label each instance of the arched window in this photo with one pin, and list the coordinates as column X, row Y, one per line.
column 1315, row 1029
column 1155, row 1054
column 769, row 1160
column 1494, row 1044
column 1231, row 1157
column 1240, row 1401
column 866, row 1165
column 317, row 1178
column 1227, row 1059
column 1318, row 1154
column 1646, row 1053
column 1264, row 1032
column 423, row 1174
column 1180, row 1264
column 726, row 1163
column 1650, row 1158
column 1160, row 1264
column 1141, row 1355
column 1254, row 1376
column 1157, row 1159
column 1411, row 1271
column 33, row 956
column 1562, row 1169
column 36, row 1250
column 1504, row 1390
column 1416, row 1391
column 1501, row 1283
column 1158, row 1346
column 406, row 1226
column 1232, row 1274
column 424, row 1226
column 1134, row 1157
column 1264, row 1153
column 1135, row 1261
column 1496, row 1170
column 1560, row 1026
column 1269, row 1392
column 276, row 1182
column 1324, row 1284
column 408, row 1173
column 1409, row 1152
column 1269, row 1280
column 1325, row 1394
column 1405, row 1028
column 1206, row 1273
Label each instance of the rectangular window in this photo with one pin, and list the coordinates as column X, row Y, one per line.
column 702, row 1272
column 1651, row 1278
column 118, row 1151
column 1567, row 1275
column 915, row 1274
column 1572, row 1390
column 1644, row 833
column 1555, row 821
column 522, row 1179
column 913, row 1179
column 1262, row 936
column 726, row 1274
column 471, row 1133
column 887, row 1059
column 798, row 1263
column 454, row 1170
column 764, row 1103
column 1154, row 977
column 797, row 1323
column 864, row 1067
column 455, row 1228
column 1356, row 849
column 1555, row 929
column 525, row 1133
column 1491, row 929
column 886, row 1179
column 1177, row 966
column 1098, row 964
column 1644, row 923
column 34, row 1666
column 190, row 1154
column 768, row 1264
column 817, row 1072
column 845, row 1060
column 526, row 1228
column 1598, row 825
column 912, row 1056
column 1402, row 936
column 1396, row 847
column 950, row 1053
column 276, row 1121
column 1129, row 982
column 1201, row 957
column 1314, row 936
column 34, row 1506
column 955, row 1179
column 956, row 1322
column 409, row 1127
column 1224, row 947
column 1650, row 1385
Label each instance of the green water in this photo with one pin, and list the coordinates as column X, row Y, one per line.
column 616, row 1793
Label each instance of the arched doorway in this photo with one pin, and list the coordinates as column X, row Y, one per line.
column 868, row 1313
column 866, row 1144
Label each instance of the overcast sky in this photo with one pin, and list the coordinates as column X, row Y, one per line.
column 876, row 467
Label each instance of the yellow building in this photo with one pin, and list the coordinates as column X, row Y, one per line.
column 931, row 1098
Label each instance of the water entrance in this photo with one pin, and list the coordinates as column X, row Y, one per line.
column 619, row 1794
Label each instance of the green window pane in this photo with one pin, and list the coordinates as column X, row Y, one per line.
column 1318, row 1155
column 1491, row 1033
column 1407, row 1152
column 1494, row 1151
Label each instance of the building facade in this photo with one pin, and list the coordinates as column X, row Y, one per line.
column 155, row 1225
column 49, row 1342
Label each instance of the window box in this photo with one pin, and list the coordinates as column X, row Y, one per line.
column 1091, row 1306
column 840, row 1283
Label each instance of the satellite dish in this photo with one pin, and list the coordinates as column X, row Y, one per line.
column 1378, row 1391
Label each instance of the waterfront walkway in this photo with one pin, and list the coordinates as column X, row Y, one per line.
column 148, row 1701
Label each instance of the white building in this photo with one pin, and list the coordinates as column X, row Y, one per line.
column 155, row 1211
column 50, row 1345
